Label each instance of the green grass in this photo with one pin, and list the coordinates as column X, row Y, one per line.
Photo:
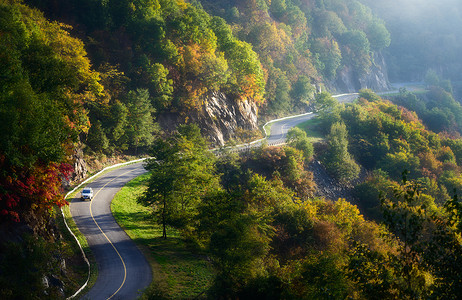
column 78, row 269
column 311, row 127
column 267, row 129
column 179, row 273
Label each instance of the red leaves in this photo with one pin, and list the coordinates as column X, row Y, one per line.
column 36, row 189
column 66, row 170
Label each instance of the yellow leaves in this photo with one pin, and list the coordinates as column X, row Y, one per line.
column 251, row 89
column 182, row 4
column 94, row 86
column 192, row 99
column 203, row 70
column 310, row 208
column 192, row 58
column 72, row 52
column 430, row 164
column 347, row 212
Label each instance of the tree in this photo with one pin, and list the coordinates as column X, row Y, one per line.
column 378, row 35
column 278, row 8
column 356, row 52
column 337, row 159
column 369, row 95
column 444, row 251
column 162, row 86
column 302, row 92
column 329, row 56
column 119, row 123
column 324, row 103
column 239, row 224
column 46, row 80
column 141, row 128
column 281, row 99
column 432, row 78
column 97, row 139
column 297, row 138
column 181, row 173
column 406, row 217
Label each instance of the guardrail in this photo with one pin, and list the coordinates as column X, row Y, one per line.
column 244, row 147
column 69, row 229
column 217, row 151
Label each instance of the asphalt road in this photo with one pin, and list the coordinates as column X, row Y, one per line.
column 279, row 129
column 122, row 269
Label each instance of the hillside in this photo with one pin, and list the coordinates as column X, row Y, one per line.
column 252, row 58
column 95, row 79
column 426, row 36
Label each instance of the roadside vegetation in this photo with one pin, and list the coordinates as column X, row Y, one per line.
column 179, row 271
column 311, row 127
column 255, row 218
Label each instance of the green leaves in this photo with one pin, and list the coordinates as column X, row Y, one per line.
column 337, row 159
column 297, row 139
column 141, row 129
column 181, row 173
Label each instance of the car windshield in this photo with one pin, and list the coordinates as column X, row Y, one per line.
column 86, row 190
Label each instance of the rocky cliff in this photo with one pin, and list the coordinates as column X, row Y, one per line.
column 376, row 79
column 219, row 118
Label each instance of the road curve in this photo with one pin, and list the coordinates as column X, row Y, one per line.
column 122, row 269
column 279, row 129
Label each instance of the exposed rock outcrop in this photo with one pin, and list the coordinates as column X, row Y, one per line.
column 80, row 166
column 219, row 117
column 376, row 79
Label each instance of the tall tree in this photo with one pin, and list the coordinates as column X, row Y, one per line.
column 140, row 122
column 297, row 138
column 337, row 159
column 182, row 171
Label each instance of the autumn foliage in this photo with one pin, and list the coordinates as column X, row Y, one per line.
column 46, row 84
column 34, row 192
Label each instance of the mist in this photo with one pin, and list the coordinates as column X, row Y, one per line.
column 425, row 34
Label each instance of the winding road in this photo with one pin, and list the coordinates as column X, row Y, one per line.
column 280, row 128
column 122, row 269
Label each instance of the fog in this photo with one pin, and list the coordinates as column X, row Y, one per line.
column 425, row 34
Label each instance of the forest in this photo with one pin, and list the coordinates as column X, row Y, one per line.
column 94, row 79
column 270, row 237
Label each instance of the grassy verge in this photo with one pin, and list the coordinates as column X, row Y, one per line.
column 311, row 127
column 179, row 273
column 78, row 269
column 267, row 129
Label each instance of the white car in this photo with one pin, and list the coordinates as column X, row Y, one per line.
column 87, row 193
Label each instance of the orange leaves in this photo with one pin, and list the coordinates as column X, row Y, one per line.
column 431, row 166
column 37, row 189
column 251, row 89
column 182, row 4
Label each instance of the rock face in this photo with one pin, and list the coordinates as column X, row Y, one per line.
column 376, row 79
column 219, row 118
column 80, row 166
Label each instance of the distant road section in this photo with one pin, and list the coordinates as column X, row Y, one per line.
column 122, row 269
column 280, row 128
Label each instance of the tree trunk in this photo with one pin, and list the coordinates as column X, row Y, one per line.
column 164, row 231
